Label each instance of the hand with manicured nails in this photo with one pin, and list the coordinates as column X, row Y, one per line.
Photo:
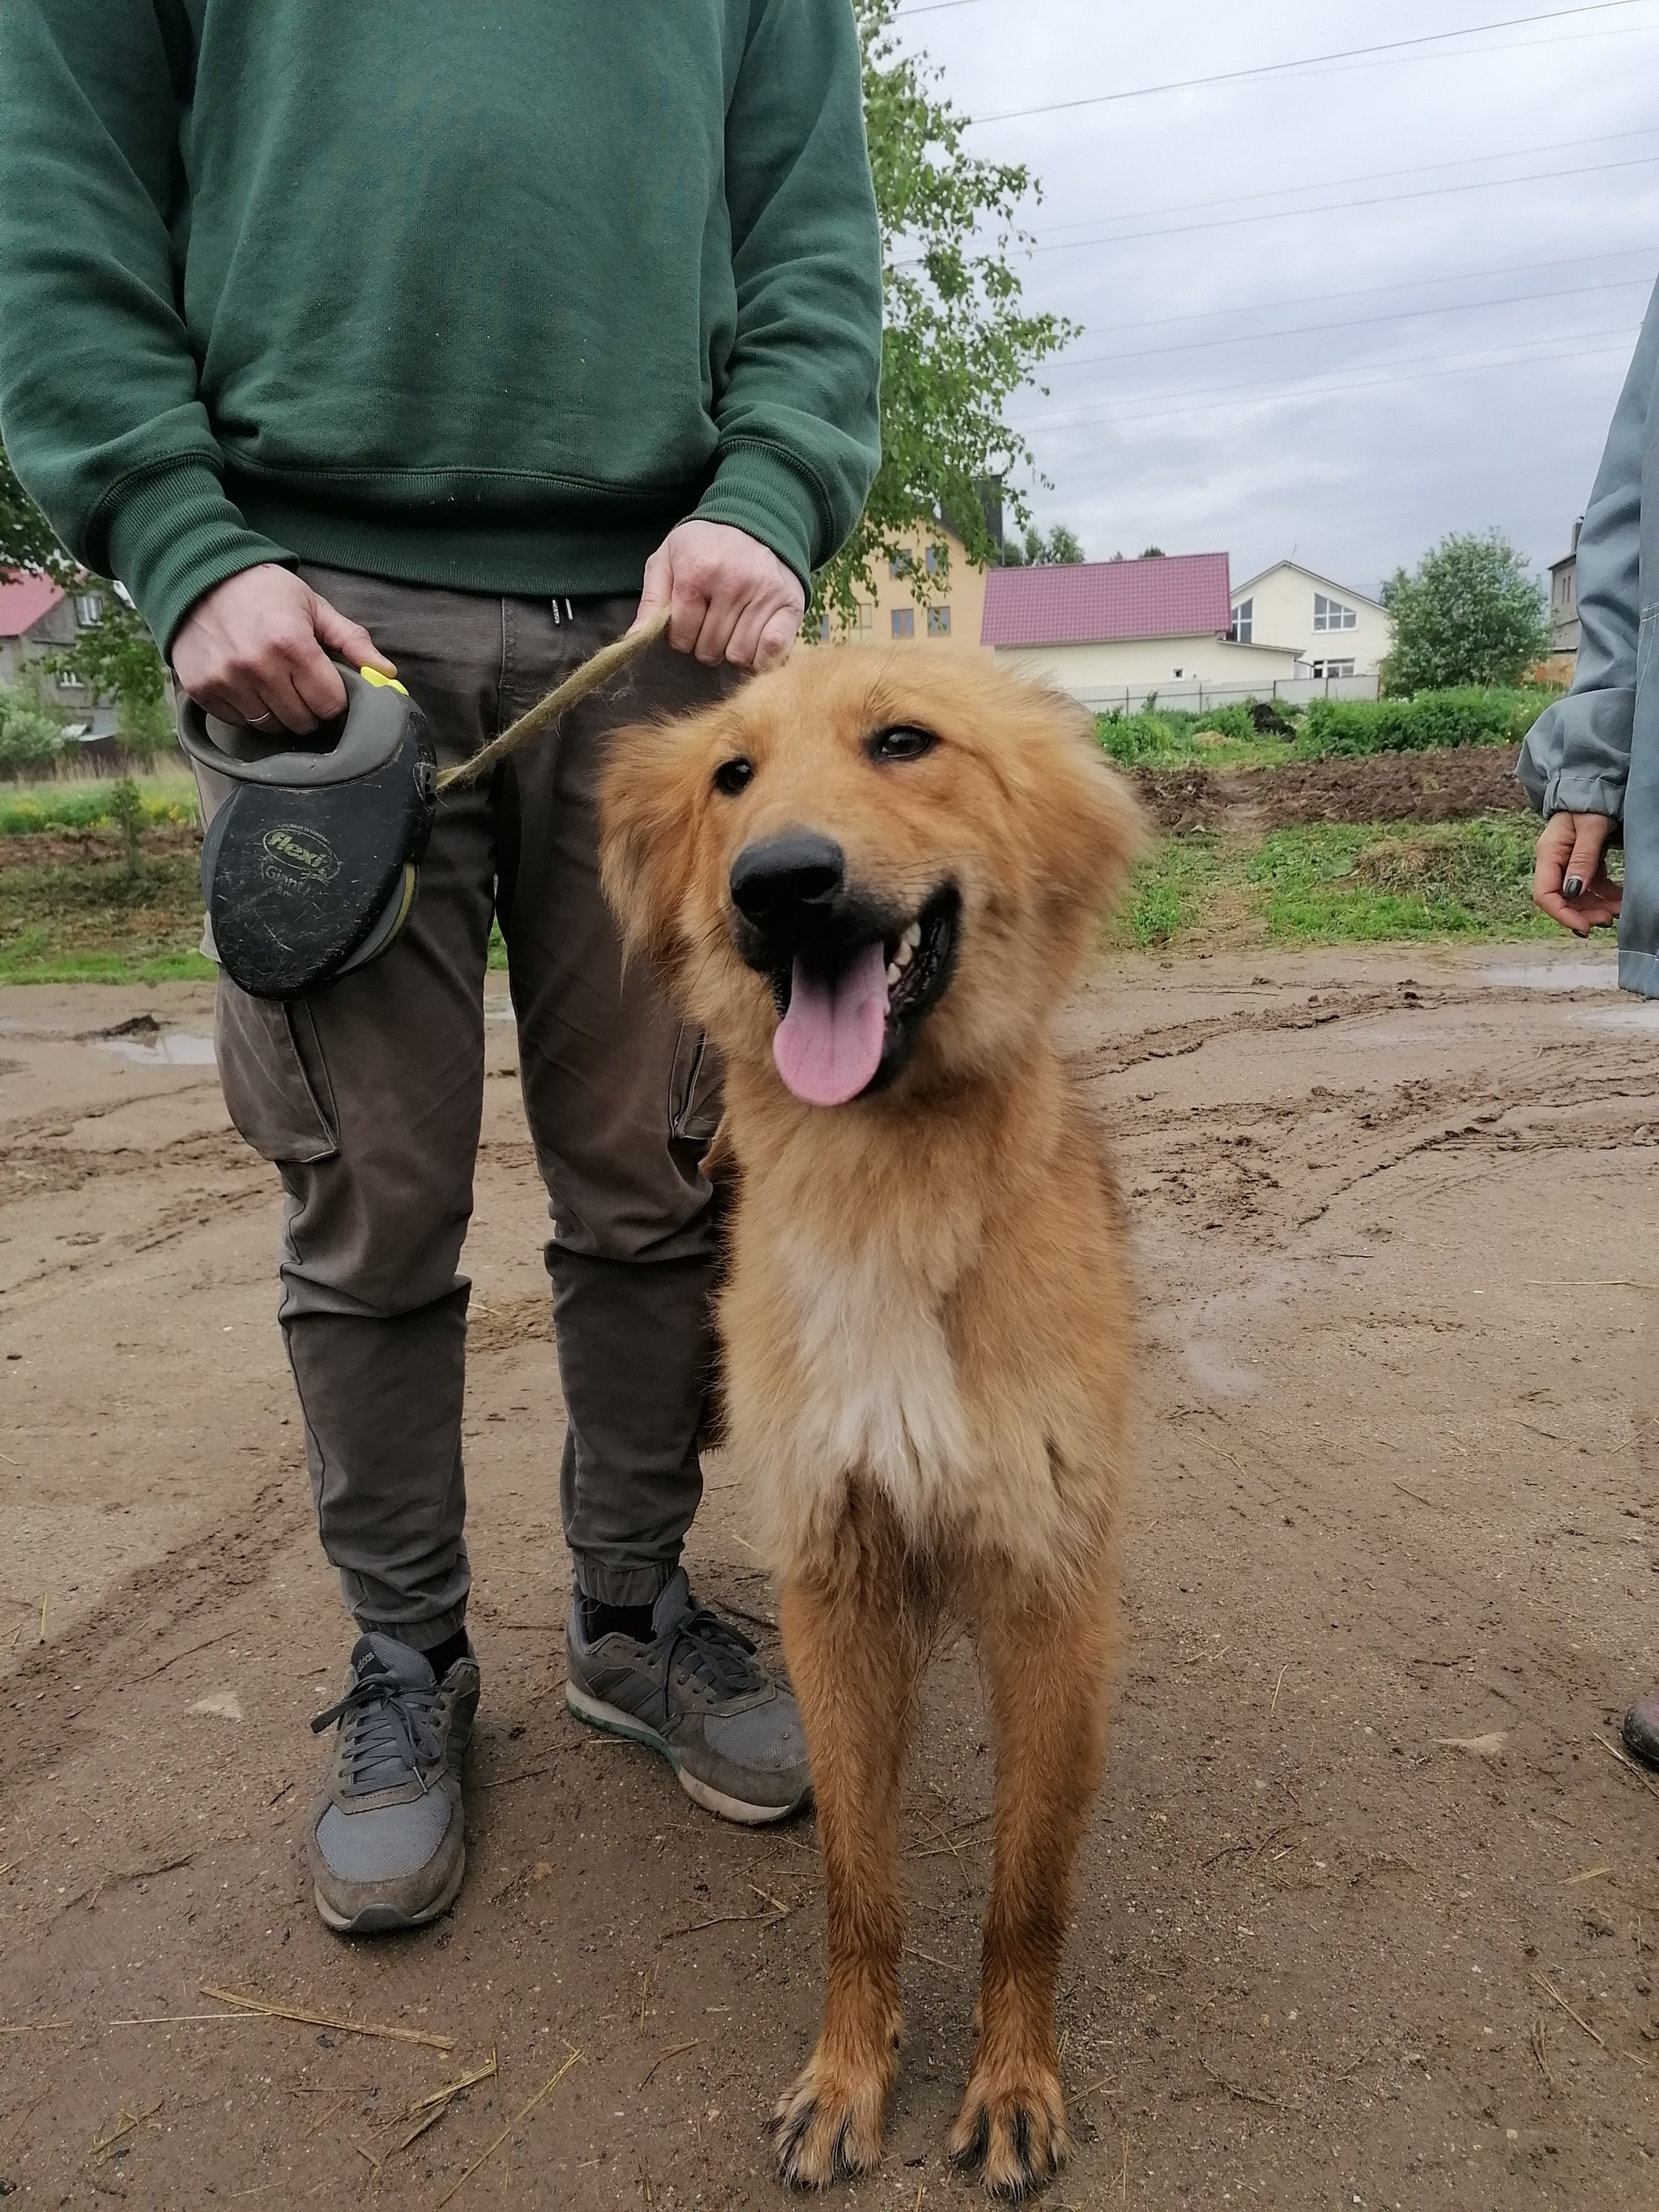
column 1569, row 883
column 729, row 597
column 256, row 648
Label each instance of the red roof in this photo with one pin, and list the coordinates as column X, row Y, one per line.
column 23, row 600
column 1095, row 602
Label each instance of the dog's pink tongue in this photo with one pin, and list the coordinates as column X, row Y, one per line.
column 828, row 1044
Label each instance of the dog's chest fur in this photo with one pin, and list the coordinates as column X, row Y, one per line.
column 877, row 1384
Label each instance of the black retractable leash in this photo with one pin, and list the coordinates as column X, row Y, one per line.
column 309, row 868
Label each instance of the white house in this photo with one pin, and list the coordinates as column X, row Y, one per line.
column 1339, row 633
column 1111, row 632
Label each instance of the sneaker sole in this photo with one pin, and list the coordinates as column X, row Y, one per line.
column 386, row 1919
column 612, row 1721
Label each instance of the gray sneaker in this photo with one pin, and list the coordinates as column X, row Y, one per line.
column 696, row 1693
column 387, row 1840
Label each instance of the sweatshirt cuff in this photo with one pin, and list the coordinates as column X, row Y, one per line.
column 764, row 491
column 173, row 535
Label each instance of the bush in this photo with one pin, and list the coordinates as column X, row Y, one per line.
column 1169, row 733
column 29, row 738
column 1421, row 724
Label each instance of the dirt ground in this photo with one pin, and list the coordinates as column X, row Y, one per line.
column 1450, row 784
column 1367, row 1909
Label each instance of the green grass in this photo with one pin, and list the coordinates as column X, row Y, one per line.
column 74, row 804
column 1343, row 884
column 90, row 922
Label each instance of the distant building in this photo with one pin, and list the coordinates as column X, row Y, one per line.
column 37, row 617
column 1112, row 632
column 1563, row 597
column 1337, row 632
column 947, row 618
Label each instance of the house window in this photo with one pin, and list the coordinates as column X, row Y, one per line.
column 67, row 683
column 89, row 609
column 1331, row 614
column 935, row 561
column 904, row 622
column 939, row 622
column 1244, row 621
column 1323, row 668
column 867, row 616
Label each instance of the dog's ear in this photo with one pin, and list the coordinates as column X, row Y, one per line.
column 648, row 834
column 1095, row 829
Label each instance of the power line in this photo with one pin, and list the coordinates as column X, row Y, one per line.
column 1306, row 61
column 1266, row 388
column 1364, row 177
column 1373, row 291
column 1333, row 207
column 1360, row 322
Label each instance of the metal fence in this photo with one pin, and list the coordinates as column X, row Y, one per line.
column 1199, row 698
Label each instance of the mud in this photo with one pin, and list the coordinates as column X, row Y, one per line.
column 1452, row 785
column 1367, row 1909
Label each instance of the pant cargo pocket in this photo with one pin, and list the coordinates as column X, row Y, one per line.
column 275, row 1082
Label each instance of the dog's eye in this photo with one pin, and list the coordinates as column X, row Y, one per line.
column 901, row 745
column 733, row 775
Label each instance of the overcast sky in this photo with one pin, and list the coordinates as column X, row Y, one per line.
column 1492, row 288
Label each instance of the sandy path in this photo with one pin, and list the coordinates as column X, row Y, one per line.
column 1396, row 1490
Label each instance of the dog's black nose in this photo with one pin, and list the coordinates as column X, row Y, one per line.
column 778, row 876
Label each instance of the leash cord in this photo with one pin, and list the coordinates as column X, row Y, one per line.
column 547, row 712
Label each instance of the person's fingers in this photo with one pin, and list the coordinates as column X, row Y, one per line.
column 658, row 588
column 347, row 639
column 777, row 639
column 1584, row 861
column 315, row 681
column 230, row 700
column 283, row 697
column 722, row 608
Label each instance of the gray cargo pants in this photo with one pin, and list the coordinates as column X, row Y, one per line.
column 369, row 1097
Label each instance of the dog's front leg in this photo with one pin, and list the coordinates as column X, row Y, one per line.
column 1049, row 1663
column 855, row 1653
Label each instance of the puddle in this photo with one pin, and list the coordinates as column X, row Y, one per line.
column 1645, row 1017
column 171, row 1048
column 1554, row 976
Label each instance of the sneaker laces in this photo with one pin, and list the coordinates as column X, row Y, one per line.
column 387, row 1727
column 708, row 1650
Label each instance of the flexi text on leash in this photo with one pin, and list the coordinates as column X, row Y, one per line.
column 310, row 865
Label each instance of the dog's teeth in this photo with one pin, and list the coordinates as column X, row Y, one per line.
column 894, row 971
column 912, row 936
column 905, row 954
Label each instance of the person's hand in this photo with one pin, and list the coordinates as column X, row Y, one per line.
column 255, row 650
column 1569, row 883
column 729, row 597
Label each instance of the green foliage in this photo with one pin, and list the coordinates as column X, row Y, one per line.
column 93, row 921
column 1359, row 884
column 128, row 809
column 1420, row 724
column 27, row 540
column 30, row 740
column 1167, row 738
column 957, row 342
column 1058, row 549
column 1153, row 553
column 116, row 658
column 170, row 801
column 1469, row 612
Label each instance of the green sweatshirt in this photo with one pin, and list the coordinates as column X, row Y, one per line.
column 487, row 294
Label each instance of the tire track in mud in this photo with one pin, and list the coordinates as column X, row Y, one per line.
column 156, row 1618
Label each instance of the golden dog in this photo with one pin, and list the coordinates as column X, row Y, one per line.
column 873, row 880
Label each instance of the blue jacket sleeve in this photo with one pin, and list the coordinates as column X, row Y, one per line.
column 1577, row 756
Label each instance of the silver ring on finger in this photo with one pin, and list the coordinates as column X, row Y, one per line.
column 259, row 721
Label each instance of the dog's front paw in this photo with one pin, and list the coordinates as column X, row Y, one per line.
column 827, row 2126
column 1012, row 2130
